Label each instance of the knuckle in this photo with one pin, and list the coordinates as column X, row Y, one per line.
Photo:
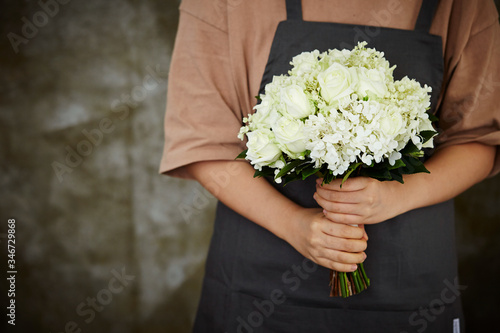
column 346, row 245
column 358, row 247
column 360, row 258
column 350, row 232
column 311, row 239
column 346, row 232
column 315, row 225
column 355, row 233
column 315, row 242
column 343, row 257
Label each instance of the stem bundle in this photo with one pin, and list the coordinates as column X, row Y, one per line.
column 345, row 284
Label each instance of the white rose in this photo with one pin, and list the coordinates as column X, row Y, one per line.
column 262, row 150
column 335, row 83
column 265, row 115
column 296, row 102
column 305, row 63
column 391, row 124
column 371, row 83
column 290, row 136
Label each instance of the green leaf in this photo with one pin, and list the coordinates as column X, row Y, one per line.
column 309, row 171
column 417, row 154
column 290, row 178
column 409, row 148
column 421, row 168
column 307, row 164
column 243, row 154
column 265, row 172
column 350, row 170
column 289, row 167
column 398, row 164
column 397, row 176
column 328, row 177
column 379, row 174
column 432, row 117
column 427, row 135
column 413, row 165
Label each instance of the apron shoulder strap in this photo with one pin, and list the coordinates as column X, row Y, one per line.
column 294, row 10
column 426, row 15
column 424, row 20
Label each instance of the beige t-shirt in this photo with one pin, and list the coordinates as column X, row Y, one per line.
column 222, row 46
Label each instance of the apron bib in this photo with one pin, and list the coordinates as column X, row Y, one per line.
column 256, row 282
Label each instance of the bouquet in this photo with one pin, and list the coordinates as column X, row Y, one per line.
column 337, row 114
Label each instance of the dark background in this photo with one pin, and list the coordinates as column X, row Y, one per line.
column 91, row 80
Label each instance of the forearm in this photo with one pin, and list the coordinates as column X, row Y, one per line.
column 233, row 184
column 332, row 245
column 452, row 171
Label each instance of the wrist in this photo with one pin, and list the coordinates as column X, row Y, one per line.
column 410, row 195
column 401, row 203
column 286, row 224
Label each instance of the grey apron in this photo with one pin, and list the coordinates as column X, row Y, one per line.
column 256, row 282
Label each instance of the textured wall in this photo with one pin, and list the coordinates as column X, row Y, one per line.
column 103, row 243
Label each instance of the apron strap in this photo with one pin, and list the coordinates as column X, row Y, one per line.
column 294, row 10
column 426, row 15
column 424, row 20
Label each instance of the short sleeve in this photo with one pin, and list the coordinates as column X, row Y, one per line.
column 202, row 119
column 470, row 110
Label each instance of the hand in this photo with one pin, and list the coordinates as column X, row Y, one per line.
column 332, row 245
column 361, row 200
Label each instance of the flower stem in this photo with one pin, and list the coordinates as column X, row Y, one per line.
column 343, row 289
column 366, row 280
column 347, row 284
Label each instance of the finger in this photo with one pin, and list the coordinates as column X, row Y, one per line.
column 365, row 235
column 351, row 184
column 341, row 230
column 336, row 196
column 339, row 207
column 343, row 244
column 342, row 257
column 336, row 266
column 345, row 218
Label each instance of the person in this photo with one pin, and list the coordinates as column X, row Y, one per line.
column 273, row 247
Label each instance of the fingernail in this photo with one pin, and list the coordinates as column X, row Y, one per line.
column 354, row 267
